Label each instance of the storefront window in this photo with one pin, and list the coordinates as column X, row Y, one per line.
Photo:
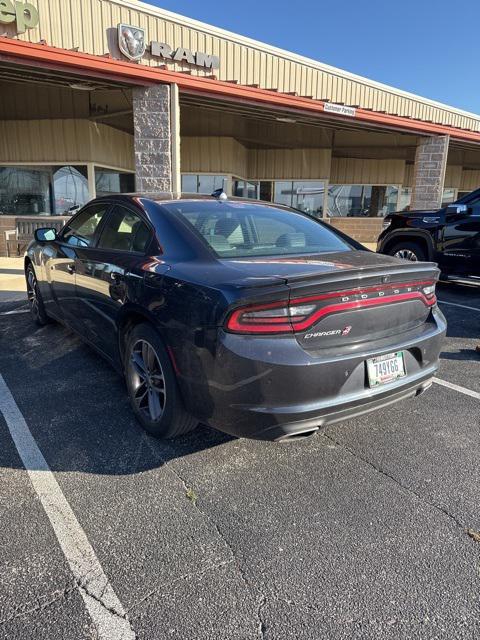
column 448, row 196
column 194, row 183
column 43, row 191
column 109, row 181
column 361, row 200
column 246, row 189
column 404, row 198
column 26, row 191
column 307, row 196
column 70, row 187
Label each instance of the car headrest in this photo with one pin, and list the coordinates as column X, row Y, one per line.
column 141, row 235
column 226, row 226
column 291, row 240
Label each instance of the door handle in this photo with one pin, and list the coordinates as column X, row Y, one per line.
column 71, row 268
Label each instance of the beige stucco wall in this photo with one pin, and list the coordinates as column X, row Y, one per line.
column 88, row 25
column 65, row 141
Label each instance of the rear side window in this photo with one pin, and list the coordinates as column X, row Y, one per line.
column 239, row 229
column 80, row 231
column 125, row 231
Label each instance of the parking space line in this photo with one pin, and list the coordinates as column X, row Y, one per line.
column 102, row 603
column 456, row 387
column 456, row 304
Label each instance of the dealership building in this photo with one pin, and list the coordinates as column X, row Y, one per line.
column 108, row 96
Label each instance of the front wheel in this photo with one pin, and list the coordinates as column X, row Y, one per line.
column 152, row 386
column 35, row 301
column 408, row 251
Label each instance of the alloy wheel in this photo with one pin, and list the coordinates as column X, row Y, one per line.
column 148, row 380
column 32, row 292
column 406, row 254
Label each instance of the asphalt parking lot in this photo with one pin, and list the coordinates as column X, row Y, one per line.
column 367, row 530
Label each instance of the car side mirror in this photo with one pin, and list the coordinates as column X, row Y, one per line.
column 45, row 234
column 457, row 209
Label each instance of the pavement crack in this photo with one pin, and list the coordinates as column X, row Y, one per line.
column 100, row 599
column 262, row 627
column 233, row 557
column 41, row 606
column 184, row 576
column 388, row 475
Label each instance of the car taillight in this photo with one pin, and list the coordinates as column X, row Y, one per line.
column 429, row 290
column 300, row 314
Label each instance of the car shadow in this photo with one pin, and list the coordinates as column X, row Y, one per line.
column 76, row 406
column 464, row 355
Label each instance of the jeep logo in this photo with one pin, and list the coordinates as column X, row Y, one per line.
column 23, row 13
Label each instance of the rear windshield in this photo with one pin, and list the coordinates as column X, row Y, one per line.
column 240, row 229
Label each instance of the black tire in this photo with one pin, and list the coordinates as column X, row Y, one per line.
column 411, row 251
column 152, row 386
column 35, row 301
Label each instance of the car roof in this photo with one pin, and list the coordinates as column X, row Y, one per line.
column 169, row 196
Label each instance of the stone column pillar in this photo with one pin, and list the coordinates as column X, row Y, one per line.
column 429, row 172
column 156, row 138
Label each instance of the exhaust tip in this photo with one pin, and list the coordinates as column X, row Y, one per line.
column 298, row 435
column 423, row 388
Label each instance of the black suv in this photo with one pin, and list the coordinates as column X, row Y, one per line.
column 449, row 236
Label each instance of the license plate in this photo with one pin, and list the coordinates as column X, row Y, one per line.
column 385, row 369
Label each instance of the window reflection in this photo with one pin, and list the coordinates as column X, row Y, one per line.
column 25, row 191
column 361, row 200
column 70, row 185
column 305, row 195
column 109, row 181
column 207, row 184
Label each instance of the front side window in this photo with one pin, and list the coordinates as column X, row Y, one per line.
column 81, row 230
column 125, row 231
column 240, row 229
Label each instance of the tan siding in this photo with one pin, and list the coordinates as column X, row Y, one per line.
column 408, row 179
column 58, row 141
column 84, row 23
column 470, row 179
column 289, row 164
column 359, row 171
column 226, row 155
column 453, row 176
column 213, row 155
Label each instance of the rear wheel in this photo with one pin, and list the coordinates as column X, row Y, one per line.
column 35, row 300
column 411, row 251
column 152, row 386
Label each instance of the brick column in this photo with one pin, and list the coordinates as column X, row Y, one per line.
column 429, row 173
column 155, row 138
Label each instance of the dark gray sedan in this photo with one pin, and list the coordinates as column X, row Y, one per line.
column 253, row 318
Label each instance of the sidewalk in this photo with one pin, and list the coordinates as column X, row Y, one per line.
column 12, row 280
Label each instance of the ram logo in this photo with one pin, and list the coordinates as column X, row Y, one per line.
column 131, row 41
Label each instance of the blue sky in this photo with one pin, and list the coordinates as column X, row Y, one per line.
column 425, row 46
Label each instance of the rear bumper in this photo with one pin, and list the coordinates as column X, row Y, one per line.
column 271, row 388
